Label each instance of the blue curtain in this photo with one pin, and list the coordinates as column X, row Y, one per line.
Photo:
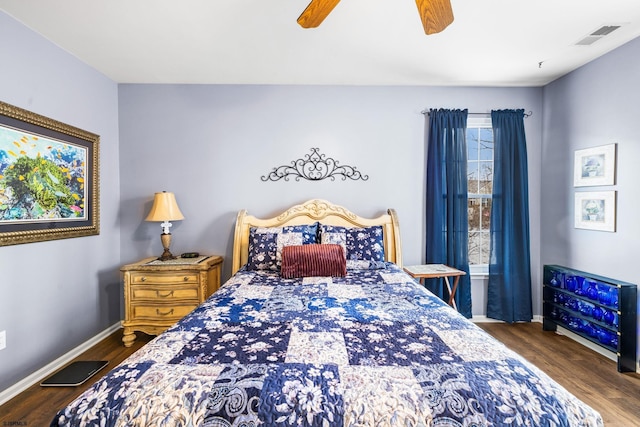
column 509, row 292
column 447, row 224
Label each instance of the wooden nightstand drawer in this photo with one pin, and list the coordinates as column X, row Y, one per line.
column 163, row 293
column 176, row 278
column 159, row 312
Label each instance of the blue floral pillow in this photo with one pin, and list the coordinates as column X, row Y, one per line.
column 361, row 245
column 266, row 243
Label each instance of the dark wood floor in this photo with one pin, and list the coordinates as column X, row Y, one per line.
column 585, row 373
column 36, row 406
column 590, row 376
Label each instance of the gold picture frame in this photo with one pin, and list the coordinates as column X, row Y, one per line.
column 49, row 179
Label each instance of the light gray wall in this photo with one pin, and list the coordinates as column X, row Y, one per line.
column 596, row 105
column 56, row 295
column 211, row 145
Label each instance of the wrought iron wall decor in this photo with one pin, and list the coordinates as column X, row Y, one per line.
column 314, row 167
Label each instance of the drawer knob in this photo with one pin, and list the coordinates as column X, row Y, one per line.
column 161, row 295
column 166, row 313
column 186, row 279
column 143, row 279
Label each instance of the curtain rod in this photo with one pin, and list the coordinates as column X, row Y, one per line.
column 529, row 114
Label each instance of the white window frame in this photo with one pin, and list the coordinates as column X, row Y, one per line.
column 479, row 122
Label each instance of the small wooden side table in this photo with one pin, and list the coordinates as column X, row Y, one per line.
column 159, row 293
column 433, row 271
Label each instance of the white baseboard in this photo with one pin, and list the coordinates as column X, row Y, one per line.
column 591, row 346
column 52, row 367
column 586, row 343
column 485, row 319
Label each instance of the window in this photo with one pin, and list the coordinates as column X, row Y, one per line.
column 480, row 186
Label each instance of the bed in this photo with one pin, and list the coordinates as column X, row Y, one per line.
column 284, row 343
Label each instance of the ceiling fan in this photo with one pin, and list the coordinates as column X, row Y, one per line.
column 436, row 15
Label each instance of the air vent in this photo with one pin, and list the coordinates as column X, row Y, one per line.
column 607, row 29
column 597, row 35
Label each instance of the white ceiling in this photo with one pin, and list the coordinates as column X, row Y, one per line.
column 362, row 42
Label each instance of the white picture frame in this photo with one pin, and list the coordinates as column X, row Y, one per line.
column 595, row 210
column 595, row 166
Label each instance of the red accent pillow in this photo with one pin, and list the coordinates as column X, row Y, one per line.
column 313, row 260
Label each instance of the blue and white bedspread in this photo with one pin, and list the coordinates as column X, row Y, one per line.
column 373, row 348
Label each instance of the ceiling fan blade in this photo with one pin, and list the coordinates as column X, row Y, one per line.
column 436, row 15
column 315, row 13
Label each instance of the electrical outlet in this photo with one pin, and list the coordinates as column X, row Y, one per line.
column 3, row 340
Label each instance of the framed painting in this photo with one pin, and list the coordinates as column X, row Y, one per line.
column 595, row 166
column 595, row 210
column 49, row 179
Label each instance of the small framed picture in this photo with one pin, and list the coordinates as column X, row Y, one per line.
column 595, row 166
column 595, row 210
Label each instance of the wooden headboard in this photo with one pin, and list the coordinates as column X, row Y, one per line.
column 310, row 212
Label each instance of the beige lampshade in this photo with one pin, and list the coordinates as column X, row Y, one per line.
column 165, row 208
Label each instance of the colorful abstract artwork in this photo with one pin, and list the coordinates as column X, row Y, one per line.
column 48, row 178
column 40, row 178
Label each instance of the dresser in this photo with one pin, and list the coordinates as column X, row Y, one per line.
column 159, row 293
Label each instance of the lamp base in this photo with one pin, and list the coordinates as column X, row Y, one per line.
column 166, row 255
column 165, row 238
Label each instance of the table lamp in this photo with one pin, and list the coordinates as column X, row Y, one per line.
column 165, row 209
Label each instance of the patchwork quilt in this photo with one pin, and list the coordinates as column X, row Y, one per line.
column 373, row 348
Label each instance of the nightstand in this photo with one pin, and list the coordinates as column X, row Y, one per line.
column 159, row 293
